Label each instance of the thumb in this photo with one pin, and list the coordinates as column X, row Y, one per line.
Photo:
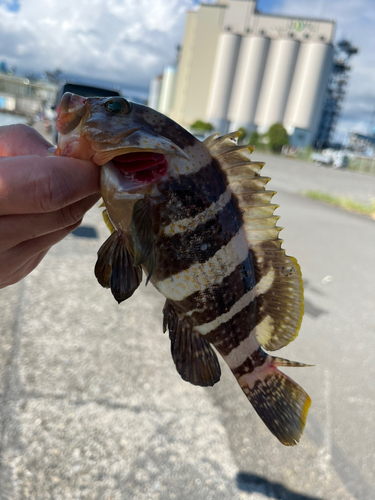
column 21, row 140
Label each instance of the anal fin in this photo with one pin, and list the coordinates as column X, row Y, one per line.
column 115, row 268
column 193, row 355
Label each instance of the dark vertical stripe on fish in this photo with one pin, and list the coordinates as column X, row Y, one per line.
column 178, row 252
column 188, row 195
column 230, row 334
column 218, row 299
column 255, row 359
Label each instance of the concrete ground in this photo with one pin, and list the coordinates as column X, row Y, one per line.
column 93, row 408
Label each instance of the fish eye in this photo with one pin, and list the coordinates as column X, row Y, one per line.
column 117, row 106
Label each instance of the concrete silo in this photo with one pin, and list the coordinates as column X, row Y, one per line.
column 154, row 92
column 247, row 82
column 241, row 68
column 222, row 81
column 167, row 90
column 307, row 92
column 276, row 83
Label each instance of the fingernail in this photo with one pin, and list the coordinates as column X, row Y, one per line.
column 52, row 149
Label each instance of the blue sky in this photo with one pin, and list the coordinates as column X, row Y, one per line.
column 129, row 42
column 11, row 5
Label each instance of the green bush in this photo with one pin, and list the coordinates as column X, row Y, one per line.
column 242, row 136
column 255, row 139
column 202, row 126
column 277, row 137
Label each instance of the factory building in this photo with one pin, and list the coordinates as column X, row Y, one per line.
column 241, row 68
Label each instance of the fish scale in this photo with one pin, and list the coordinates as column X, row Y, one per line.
column 203, row 229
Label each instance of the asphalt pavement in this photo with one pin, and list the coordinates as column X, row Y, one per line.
column 93, row 408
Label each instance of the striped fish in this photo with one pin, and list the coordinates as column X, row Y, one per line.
column 197, row 219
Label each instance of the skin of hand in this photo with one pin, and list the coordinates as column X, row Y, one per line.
column 43, row 198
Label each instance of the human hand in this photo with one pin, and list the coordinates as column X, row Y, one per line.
column 43, row 198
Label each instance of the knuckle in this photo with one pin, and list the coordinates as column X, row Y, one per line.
column 69, row 229
column 51, row 190
column 71, row 214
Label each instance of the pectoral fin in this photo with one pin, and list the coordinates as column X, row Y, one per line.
column 193, row 355
column 143, row 236
column 115, row 267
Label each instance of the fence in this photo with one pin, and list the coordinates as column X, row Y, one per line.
column 362, row 164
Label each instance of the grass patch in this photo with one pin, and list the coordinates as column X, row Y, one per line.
column 342, row 202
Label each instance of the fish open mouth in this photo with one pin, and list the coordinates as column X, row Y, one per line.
column 143, row 167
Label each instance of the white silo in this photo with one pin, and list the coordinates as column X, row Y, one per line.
column 247, row 82
column 307, row 91
column 154, row 92
column 222, row 81
column 276, row 83
column 167, row 90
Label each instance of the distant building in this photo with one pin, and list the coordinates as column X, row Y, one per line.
column 240, row 68
column 335, row 93
column 21, row 96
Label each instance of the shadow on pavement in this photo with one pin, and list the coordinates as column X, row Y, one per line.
column 85, row 232
column 313, row 310
column 251, row 482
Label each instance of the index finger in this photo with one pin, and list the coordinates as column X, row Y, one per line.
column 34, row 184
column 19, row 140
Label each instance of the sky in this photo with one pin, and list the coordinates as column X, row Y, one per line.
column 129, row 42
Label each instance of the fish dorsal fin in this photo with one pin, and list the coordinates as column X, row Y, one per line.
column 280, row 306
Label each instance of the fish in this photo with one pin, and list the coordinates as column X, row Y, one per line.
column 196, row 218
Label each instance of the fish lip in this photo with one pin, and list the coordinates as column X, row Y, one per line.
column 114, row 142
column 72, row 111
column 134, row 140
column 100, row 147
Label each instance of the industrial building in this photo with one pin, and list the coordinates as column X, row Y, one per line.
column 241, row 68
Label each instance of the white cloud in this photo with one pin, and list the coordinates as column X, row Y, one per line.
column 130, row 41
column 124, row 41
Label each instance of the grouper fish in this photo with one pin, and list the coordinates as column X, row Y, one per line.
column 196, row 218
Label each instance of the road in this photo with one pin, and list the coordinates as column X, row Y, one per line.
column 92, row 407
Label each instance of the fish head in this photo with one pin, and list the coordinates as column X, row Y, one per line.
column 136, row 139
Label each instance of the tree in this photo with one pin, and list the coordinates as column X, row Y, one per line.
column 255, row 139
column 277, row 137
column 202, row 126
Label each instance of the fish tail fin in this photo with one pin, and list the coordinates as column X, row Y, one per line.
column 280, row 402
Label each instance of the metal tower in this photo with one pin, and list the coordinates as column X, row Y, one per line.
column 335, row 92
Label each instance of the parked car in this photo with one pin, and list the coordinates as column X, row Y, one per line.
column 340, row 159
column 331, row 158
column 322, row 159
column 82, row 90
